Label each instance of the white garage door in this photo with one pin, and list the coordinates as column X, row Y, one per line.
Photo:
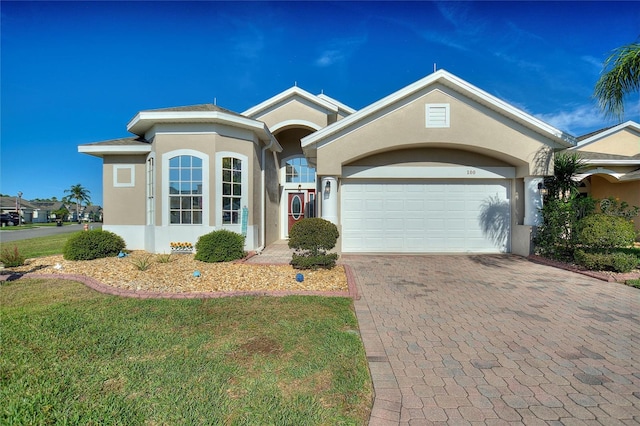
column 425, row 216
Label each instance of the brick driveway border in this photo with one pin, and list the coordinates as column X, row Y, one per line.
column 496, row 339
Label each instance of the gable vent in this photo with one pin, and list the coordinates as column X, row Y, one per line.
column 437, row 115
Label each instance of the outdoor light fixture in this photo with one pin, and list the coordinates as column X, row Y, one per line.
column 327, row 188
column 543, row 191
column 299, row 188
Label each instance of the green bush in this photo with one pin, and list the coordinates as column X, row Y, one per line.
column 605, row 232
column 604, row 261
column 220, row 246
column 327, row 261
column 95, row 244
column 11, row 258
column 312, row 238
column 556, row 236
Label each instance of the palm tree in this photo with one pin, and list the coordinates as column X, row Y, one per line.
column 620, row 77
column 565, row 167
column 80, row 194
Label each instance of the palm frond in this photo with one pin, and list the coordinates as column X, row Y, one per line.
column 620, row 77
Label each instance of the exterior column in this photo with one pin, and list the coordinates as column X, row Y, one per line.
column 329, row 188
column 532, row 200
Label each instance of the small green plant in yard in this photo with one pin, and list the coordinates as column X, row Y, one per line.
column 633, row 283
column 96, row 244
column 142, row 263
column 312, row 238
column 11, row 257
column 75, row 356
column 164, row 258
column 220, row 246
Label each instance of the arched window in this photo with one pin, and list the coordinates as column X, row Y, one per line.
column 297, row 170
column 185, row 190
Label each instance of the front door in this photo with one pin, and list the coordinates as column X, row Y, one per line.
column 295, row 212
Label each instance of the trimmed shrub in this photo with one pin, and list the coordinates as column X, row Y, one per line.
column 220, row 246
column 603, row 261
column 11, row 258
column 95, row 244
column 605, row 232
column 326, row 261
column 312, row 238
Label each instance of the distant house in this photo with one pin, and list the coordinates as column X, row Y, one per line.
column 27, row 211
column 613, row 158
column 438, row 166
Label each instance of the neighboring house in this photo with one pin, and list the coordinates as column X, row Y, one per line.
column 613, row 159
column 45, row 210
column 438, row 166
column 28, row 212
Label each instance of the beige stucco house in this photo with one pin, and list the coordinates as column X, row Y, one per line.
column 438, row 166
column 613, row 159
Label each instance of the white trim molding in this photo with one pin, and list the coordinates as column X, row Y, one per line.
column 131, row 182
column 417, row 172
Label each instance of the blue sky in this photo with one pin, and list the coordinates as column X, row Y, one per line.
column 77, row 72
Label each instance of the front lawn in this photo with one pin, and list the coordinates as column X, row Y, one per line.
column 39, row 246
column 74, row 356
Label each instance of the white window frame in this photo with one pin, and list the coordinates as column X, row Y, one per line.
column 433, row 116
column 166, row 215
column 283, row 173
column 244, row 185
column 151, row 189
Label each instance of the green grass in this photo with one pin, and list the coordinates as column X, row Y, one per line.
column 633, row 283
column 74, row 356
column 41, row 246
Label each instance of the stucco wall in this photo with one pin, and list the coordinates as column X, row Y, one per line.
column 473, row 127
column 293, row 109
column 624, row 142
column 429, row 157
column 124, row 204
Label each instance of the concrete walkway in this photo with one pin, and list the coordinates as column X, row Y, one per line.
column 496, row 340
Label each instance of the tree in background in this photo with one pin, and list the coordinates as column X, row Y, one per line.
column 620, row 77
column 79, row 194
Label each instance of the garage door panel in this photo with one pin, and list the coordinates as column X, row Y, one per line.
column 421, row 216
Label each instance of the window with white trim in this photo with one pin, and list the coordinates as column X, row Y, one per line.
column 185, row 190
column 437, row 115
column 297, row 170
column 231, row 171
column 150, row 191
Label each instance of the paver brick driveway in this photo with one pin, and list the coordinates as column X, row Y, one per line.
column 496, row 340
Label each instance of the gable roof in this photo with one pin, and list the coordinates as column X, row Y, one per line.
column 291, row 94
column 345, row 108
column 603, row 133
column 451, row 81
